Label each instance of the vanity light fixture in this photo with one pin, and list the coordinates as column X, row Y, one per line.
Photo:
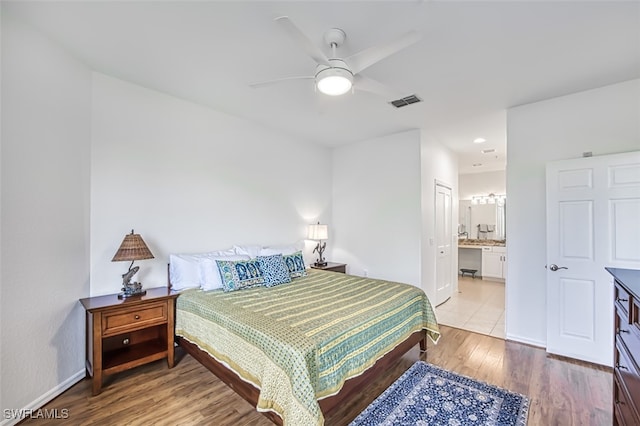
column 489, row 199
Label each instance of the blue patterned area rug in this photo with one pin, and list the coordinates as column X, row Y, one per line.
column 428, row 395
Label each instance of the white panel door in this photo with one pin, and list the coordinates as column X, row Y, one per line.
column 593, row 221
column 443, row 244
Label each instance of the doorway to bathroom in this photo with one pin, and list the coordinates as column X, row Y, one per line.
column 479, row 303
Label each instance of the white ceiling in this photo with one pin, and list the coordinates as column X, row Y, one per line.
column 475, row 60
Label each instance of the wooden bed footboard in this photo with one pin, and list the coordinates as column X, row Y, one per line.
column 327, row 405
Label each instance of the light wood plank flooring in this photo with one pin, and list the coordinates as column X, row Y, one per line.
column 561, row 392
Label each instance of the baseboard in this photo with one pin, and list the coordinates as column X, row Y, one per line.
column 42, row 400
column 527, row 341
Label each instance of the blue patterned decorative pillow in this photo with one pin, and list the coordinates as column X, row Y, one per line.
column 274, row 270
column 239, row 274
column 295, row 264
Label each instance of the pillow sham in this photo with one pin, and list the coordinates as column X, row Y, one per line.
column 190, row 270
column 274, row 270
column 184, row 271
column 295, row 264
column 240, row 274
column 249, row 250
column 211, row 279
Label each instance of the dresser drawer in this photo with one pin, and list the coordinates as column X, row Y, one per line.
column 628, row 333
column 133, row 318
column 627, row 369
column 634, row 316
column 623, row 409
column 622, row 298
column 628, row 376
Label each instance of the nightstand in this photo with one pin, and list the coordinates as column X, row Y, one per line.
column 331, row 266
column 126, row 333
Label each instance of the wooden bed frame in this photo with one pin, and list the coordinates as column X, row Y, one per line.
column 327, row 405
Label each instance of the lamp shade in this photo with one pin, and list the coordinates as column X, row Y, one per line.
column 318, row 232
column 132, row 248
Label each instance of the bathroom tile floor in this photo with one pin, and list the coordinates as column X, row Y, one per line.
column 477, row 306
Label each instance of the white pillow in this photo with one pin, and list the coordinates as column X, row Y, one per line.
column 186, row 270
column 211, row 279
column 250, row 250
column 282, row 249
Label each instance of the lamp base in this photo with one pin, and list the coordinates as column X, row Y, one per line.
column 320, row 264
column 132, row 289
column 124, row 295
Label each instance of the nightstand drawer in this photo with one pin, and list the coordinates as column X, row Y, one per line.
column 133, row 318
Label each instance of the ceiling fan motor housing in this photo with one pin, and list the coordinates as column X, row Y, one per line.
column 339, row 66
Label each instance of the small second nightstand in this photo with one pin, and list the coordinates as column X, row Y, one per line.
column 126, row 333
column 331, row 266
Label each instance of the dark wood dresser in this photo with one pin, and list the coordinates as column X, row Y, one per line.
column 626, row 377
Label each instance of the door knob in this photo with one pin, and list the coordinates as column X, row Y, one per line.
column 555, row 267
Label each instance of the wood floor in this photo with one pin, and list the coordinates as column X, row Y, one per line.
column 561, row 392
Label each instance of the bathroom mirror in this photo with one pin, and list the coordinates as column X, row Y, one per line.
column 482, row 221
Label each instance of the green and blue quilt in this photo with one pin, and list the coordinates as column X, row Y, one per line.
column 299, row 342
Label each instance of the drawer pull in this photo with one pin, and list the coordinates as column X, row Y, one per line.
column 622, row 331
column 125, row 341
column 137, row 317
column 621, row 367
column 621, row 300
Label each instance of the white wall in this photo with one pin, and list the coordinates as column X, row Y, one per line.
column 190, row 179
column 604, row 121
column 441, row 164
column 376, row 207
column 44, row 217
column 482, row 184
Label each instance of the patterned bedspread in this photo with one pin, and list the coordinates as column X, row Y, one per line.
column 299, row 342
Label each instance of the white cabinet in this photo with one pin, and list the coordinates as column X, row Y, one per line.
column 494, row 262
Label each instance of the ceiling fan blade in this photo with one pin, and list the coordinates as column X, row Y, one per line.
column 370, row 85
column 367, row 57
column 259, row 84
column 312, row 50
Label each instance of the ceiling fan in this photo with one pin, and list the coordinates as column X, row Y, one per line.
column 336, row 76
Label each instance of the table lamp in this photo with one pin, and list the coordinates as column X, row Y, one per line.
column 132, row 248
column 319, row 232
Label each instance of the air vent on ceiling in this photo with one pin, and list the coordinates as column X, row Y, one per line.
column 488, row 151
column 399, row 103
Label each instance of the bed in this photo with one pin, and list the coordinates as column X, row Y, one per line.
column 296, row 350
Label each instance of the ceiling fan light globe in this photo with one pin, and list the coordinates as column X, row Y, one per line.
column 334, row 81
column 334, row 85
